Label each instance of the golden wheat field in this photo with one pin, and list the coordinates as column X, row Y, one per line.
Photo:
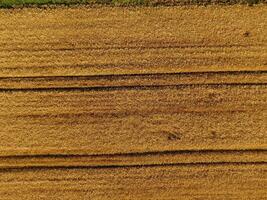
column 133, row 103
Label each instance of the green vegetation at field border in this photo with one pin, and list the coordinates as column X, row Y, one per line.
column 43, row 3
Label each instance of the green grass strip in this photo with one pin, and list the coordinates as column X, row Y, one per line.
column 29, row 3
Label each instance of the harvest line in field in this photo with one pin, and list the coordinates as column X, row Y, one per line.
column 133, row 80
column 144, row 46
column 134, row 87
column 62, row 167
column 135, row 154
column 152, row 75
column 189, row 157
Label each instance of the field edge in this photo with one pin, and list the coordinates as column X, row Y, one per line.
column 5, row 4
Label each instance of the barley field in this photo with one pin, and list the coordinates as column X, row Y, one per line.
column 133, row 102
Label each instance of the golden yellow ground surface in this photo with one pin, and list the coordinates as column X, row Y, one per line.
column 133, row 103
